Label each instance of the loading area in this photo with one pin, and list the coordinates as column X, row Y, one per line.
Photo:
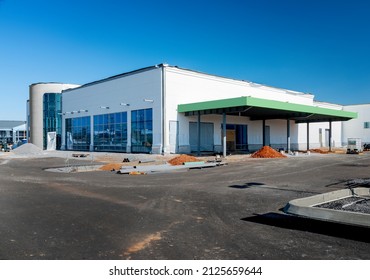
column 256, row 110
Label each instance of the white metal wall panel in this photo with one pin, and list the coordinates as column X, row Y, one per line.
column 141, row 90
column 355, row 127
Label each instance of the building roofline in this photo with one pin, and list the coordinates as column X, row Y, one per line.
column 125, row 74
column 288, row 91
column 117, row 76
column 53, row 83
column 360, row 104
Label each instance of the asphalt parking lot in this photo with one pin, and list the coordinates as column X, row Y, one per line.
column 228, row 212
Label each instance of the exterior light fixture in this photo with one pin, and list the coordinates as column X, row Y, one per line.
column 83, row 110
column 104, row 107
column 148, row 100
column 73, row 112
column 124, row 104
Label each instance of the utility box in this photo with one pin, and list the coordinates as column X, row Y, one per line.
column 354, row 146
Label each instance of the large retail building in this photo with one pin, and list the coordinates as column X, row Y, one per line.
column 167, row 109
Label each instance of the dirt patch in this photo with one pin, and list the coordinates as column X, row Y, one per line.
column 179, row 160
column 111, row 167
column 138, row 246
column 320, row 151
column 267, row 152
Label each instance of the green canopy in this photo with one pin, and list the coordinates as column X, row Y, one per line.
column 263, row 109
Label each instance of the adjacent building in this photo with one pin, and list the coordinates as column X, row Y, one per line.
column 359, row 127
column 12, row 131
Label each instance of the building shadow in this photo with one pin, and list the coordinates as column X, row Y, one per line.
column 285, row 221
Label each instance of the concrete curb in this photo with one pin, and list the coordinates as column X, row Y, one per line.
column 305, row 207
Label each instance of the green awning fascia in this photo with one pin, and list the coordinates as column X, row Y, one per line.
column 263, row 103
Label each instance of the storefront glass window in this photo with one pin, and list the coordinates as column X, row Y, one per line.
column 142, row 131
column 110, row 132
column 78, row 134
column 52, row 108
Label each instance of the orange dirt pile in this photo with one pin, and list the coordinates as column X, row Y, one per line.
column 179, row 160
column 320, row 151
column 267, row 152
column 111, row 166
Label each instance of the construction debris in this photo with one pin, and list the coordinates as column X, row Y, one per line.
column 80, row 155
column 320, row 151
column 136, row 173
column 267, row 152
column 181, row 159
column 146, row 161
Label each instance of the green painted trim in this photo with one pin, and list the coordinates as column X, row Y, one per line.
column 263, row 103
column 213, row 104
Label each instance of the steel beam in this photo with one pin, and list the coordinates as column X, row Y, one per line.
column 288, row 134
column 224, row 134
column 308, row 136
column 263, row 132
column 198, row 129
column 330, row 136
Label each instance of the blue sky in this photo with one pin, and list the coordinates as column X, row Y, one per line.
column 321, row 47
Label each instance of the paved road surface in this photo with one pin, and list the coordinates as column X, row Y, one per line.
column 230, row 212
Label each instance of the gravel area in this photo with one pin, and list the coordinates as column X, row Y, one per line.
column 352, row 204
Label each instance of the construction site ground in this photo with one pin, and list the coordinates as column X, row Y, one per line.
column 226, row 212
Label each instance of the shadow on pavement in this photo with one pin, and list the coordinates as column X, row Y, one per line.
column 246, row 185
column 309, row 225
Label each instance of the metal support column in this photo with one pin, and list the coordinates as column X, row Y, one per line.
column 224, row 134
column 263, row 132
column 308, row 136
column 288, row 134
column 330, row 136
column 198, row 129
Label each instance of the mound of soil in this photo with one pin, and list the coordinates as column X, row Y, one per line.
column 28, row 149
column 267, row 152
column 111, row 166
column 320, row 151
column 179, row 160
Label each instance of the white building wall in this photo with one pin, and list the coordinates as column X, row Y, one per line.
column 317, row 139
column 183, row 86
column 355, row 127
column 130, row 89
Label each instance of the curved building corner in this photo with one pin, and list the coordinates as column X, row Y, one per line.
column 40, row 96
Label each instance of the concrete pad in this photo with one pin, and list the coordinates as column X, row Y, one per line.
column 166, row 167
